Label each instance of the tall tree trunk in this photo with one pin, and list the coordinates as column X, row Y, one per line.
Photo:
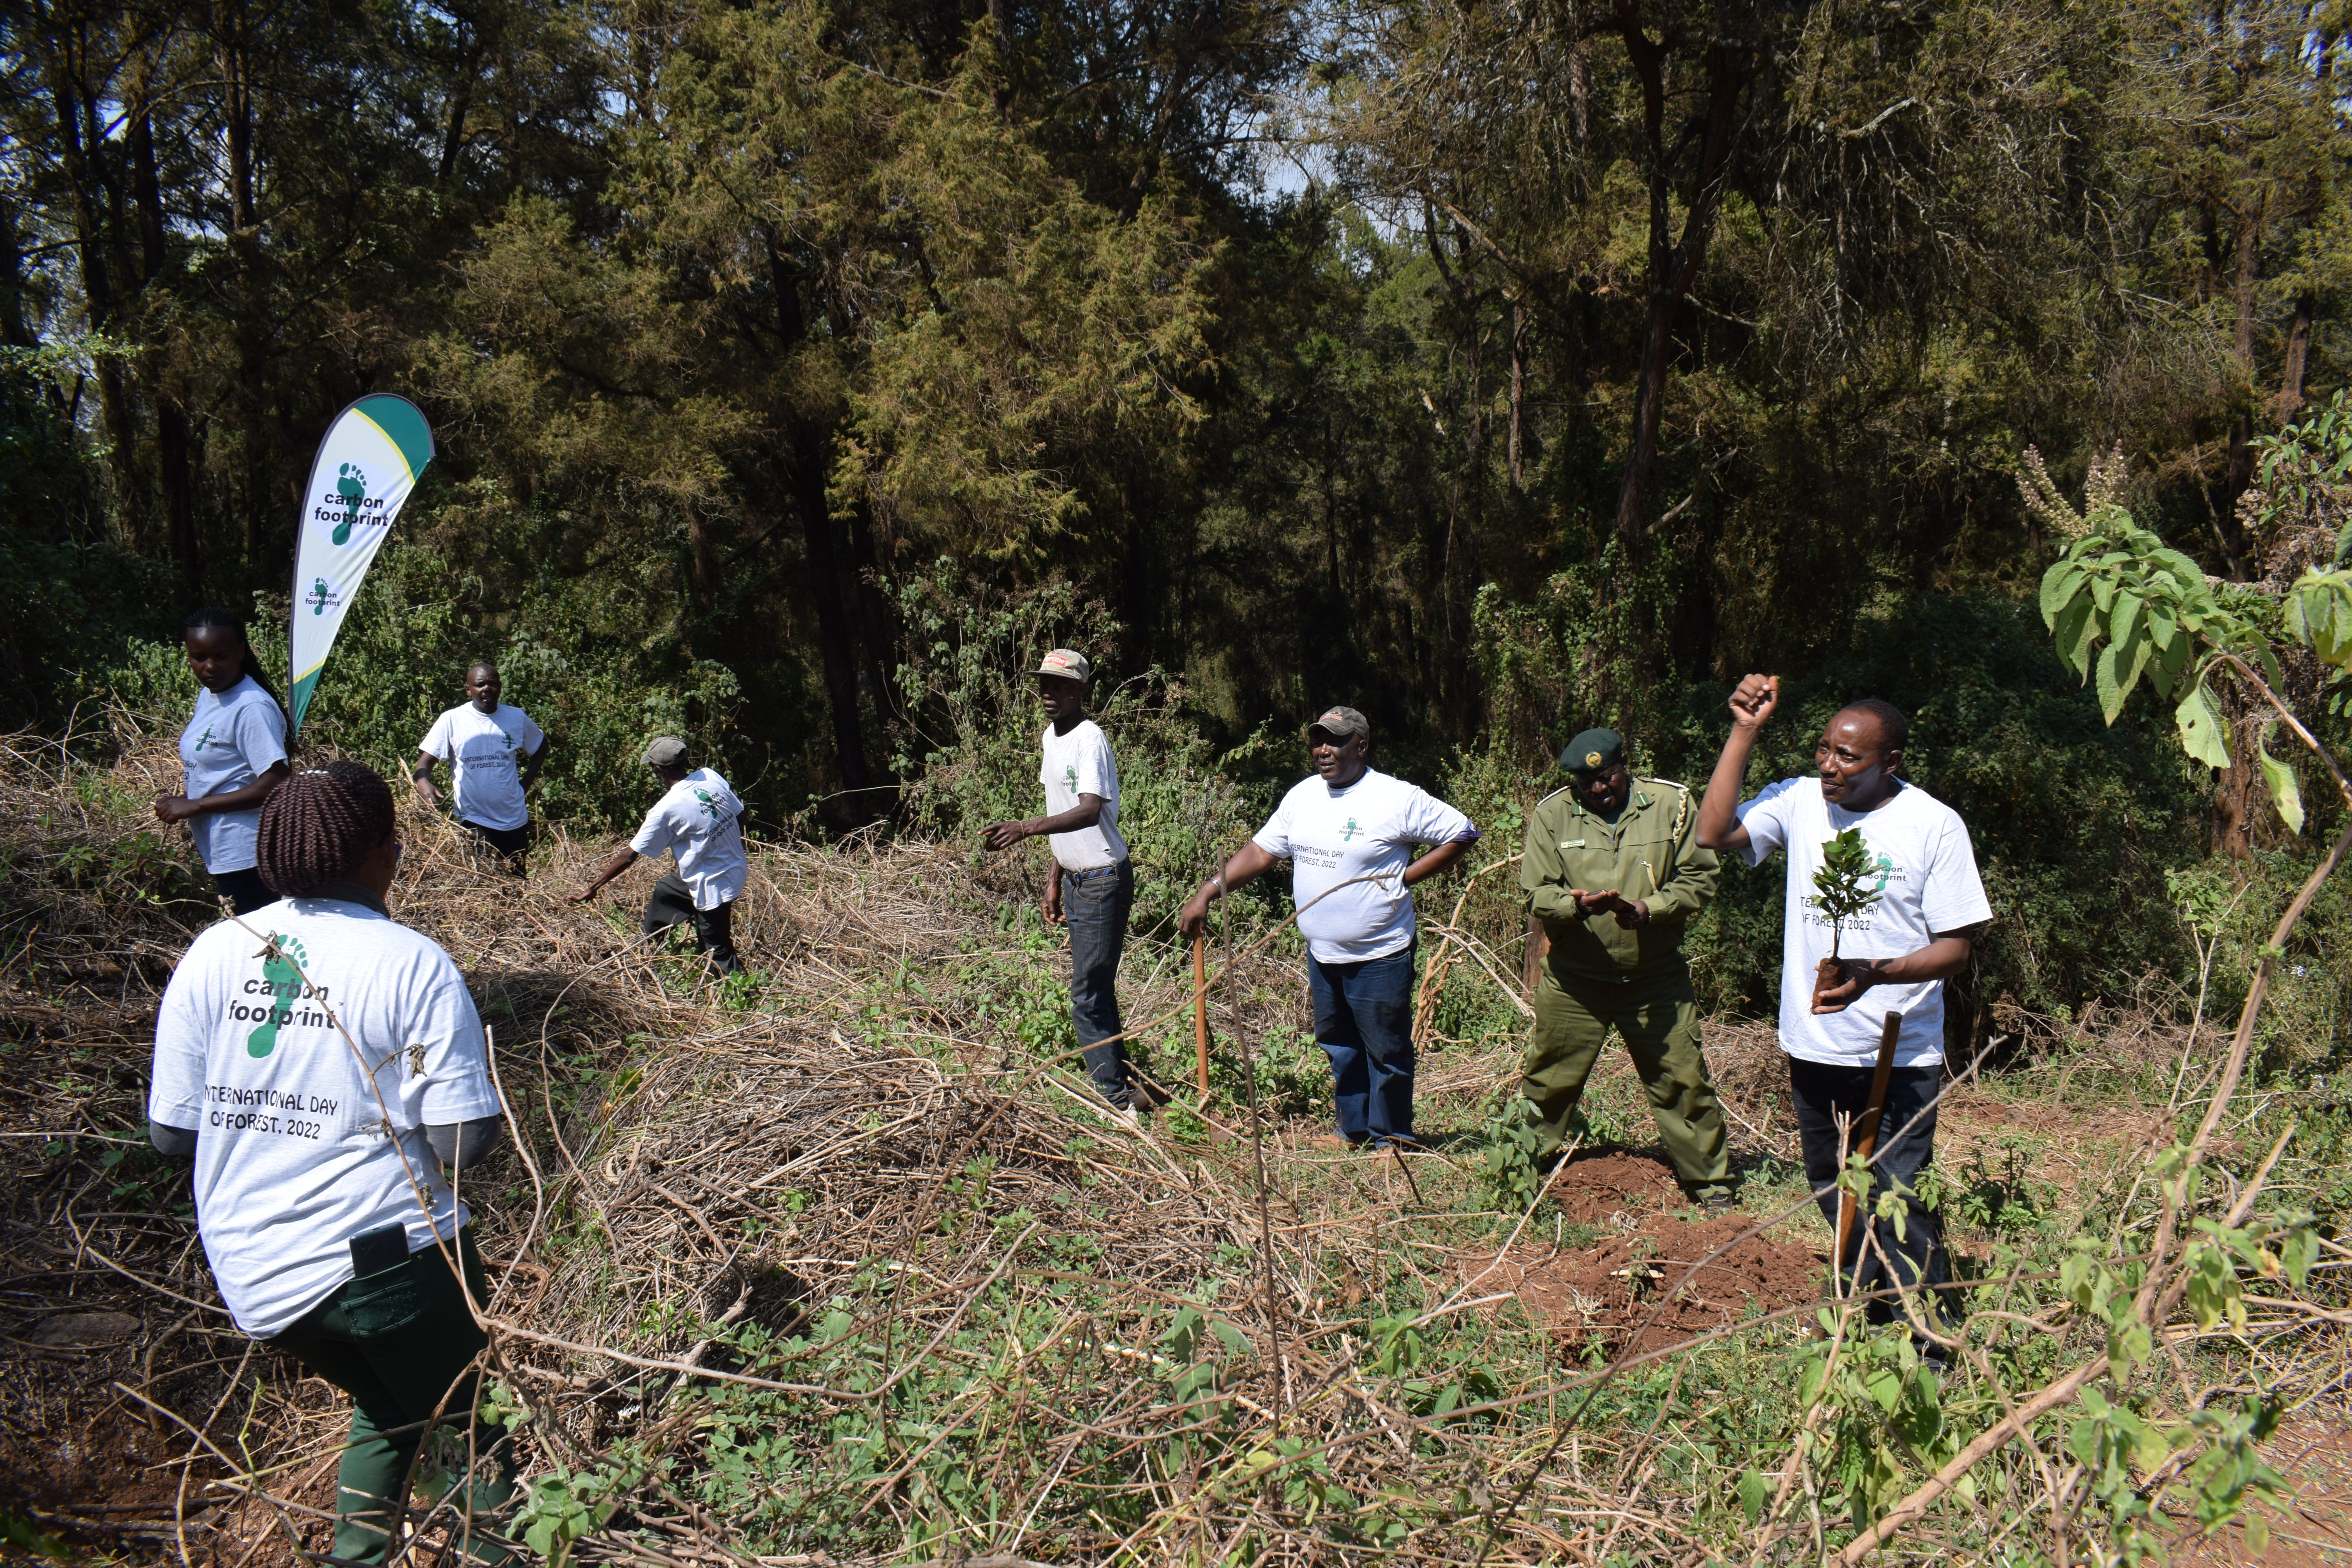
column 874, row 623
column 1673, row 266
column 1518, row 387
column 12, row 331
column 171, row 420
column 836, row 636
column 836, row 633
column 248, row 401
column 2248, row 257
column 1139, row 580
column 461, row 101
column 2298, row 357
column 98, row 285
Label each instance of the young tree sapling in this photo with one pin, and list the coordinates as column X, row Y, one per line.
column 1845, row 885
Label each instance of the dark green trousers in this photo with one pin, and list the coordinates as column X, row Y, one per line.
column 398, row 1343
column 1657, row 1015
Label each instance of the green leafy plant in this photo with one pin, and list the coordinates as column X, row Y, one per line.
column 1507, row 1172
column 2124, row 605
column 1847, row 883
column 564, row 1505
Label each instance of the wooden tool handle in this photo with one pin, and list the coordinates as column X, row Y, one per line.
column 1888, row 1033
column 1201, row 1012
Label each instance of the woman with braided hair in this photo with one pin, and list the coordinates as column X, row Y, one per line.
column 323, row 1064
column 233, row 752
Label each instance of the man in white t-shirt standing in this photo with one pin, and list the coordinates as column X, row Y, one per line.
column 696, row 819
column 1090, row 885
column 1893, row 958
column 1350, row 834
column 481, row 739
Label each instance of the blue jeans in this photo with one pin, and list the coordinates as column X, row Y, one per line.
column 1363, row 1021
column 1095, row 903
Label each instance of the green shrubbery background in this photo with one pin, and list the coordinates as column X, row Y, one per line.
column 2090, row 838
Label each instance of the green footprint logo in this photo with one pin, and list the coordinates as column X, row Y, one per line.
column 286, row 983
column 351, row 483
column 709, row 805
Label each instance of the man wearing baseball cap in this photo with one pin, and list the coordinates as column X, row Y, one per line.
column 696, row 819
column 1613, row 871
column 1350, row 834
column 1090, row 882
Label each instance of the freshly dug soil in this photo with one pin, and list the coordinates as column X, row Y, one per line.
column 1611, row 1290
column 1597, row 1186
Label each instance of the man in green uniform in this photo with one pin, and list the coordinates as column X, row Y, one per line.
column 1614, row 872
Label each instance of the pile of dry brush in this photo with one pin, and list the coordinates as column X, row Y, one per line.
column 843, row 1266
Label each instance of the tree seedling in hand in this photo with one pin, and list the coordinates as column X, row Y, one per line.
column 1846, row 885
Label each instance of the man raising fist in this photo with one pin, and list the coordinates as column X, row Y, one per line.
column 1900, row 952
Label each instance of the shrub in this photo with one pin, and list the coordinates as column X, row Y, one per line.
column 401, row 659
column 967, row 734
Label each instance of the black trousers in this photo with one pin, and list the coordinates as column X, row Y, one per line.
column 672, row 904
column 1821, row 1093
column 513, row 843
column 245, row 890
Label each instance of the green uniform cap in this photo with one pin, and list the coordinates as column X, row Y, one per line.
column 1593, row 751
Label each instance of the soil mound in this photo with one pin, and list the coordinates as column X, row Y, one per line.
column 1598, row 1188
column 1610, row 1290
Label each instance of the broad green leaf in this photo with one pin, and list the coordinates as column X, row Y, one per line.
column 2171, row 662
column 2162, row 627
column 2072, row 620
column 2128, row 606
column 2059, row 584
column 1753, row 1494
column 2109, row 682
column 2201, row 729
column 2135, row 658
column 2285, row 789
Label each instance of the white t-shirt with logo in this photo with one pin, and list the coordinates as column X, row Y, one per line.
column 481, row 751
column 1334, row 836
column 299, row 1149
column 1928, row 882
column 1080, row 763
column 234, row 739
column 698, row 819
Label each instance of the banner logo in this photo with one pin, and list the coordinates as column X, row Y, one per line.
column 350, row 489
column 321, row 596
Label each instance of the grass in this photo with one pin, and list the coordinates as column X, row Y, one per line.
column 860, row 1269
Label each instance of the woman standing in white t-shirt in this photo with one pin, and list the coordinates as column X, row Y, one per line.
column 320, row 1063
column 1351, row 835
column 233, row 753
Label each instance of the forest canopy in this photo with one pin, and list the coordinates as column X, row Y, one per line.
column 1497, row 369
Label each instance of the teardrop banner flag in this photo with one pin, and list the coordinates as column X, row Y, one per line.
column 373, row 456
